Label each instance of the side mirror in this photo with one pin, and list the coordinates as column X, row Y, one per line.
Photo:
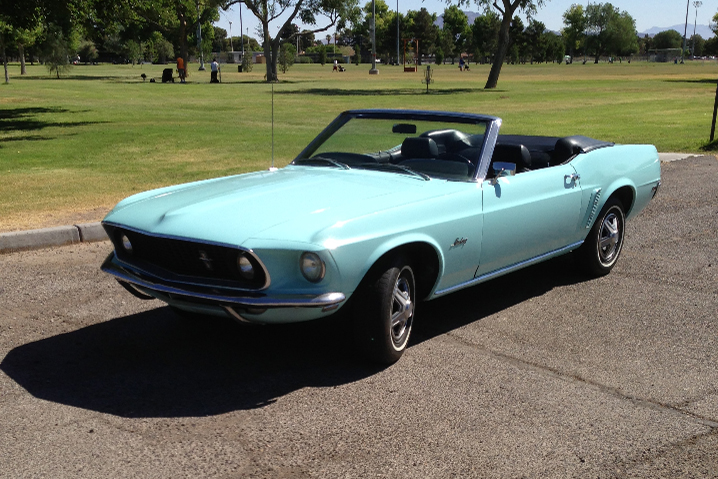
column 502, row 168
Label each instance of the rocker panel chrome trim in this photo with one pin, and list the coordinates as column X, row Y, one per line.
column 508, row 269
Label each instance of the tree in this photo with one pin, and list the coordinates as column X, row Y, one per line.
column 456, row 29
column 87, row 51
column 174, row 19
column 621, row 35
column 555, row 47
column 598, row 17
column 57, row 49
column 517, row 43
column 507, row 10
column 574, row 32
column 336, row 12
column 162, row 49
column 134, row 51
column 697, row 43
column 484, row 35
column 6, row 36
column 536, row 41
column 422, row 28
column 286, row 56
column 667, row 39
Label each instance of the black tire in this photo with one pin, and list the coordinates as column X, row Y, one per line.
column 603, row 245
column 384, row 313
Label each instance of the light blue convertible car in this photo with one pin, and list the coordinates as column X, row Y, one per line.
column 385, row 208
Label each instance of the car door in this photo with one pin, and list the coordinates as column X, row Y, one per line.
column 527, row 215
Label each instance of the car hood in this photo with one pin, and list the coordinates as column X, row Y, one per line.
column 294, row 203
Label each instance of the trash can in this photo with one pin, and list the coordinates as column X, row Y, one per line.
column 239, row 68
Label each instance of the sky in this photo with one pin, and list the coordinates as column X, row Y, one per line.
column 648, row 14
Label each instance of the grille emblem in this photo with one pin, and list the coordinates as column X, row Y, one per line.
column 205, row 259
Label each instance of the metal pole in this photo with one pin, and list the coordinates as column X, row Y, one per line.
column 696, row 4
column 397, row 32
column 373, row 70
column 685, row 32
column 231, row 47
column 241, row 30
column 715, row 110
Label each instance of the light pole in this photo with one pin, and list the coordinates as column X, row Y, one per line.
column 240, row 30
column 397, row 32
column 697, row 4
column 373, row 70
column 231, row 47
column 685, row 32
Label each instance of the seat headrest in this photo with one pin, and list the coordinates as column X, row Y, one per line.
column 566, row 148
column 518, row 154
column 419, row 148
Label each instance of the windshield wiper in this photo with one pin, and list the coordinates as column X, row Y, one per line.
column 392, row 166
column 321, row 159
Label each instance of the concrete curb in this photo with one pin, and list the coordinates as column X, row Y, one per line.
column 48, row 237
column 90, row 232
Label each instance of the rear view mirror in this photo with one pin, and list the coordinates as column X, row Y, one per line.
column 405, row 128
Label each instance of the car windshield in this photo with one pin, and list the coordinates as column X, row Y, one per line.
column 425, row 148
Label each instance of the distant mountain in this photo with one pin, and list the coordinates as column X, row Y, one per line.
column 702, row 30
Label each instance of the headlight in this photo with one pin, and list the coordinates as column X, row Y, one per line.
column 246, row 270
column 312, row 267
column 126, row 244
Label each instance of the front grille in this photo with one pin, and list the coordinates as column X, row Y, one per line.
column 181, row 260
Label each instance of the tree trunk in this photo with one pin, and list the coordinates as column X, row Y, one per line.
column 267, row 46
column 21, row 51
column 501, row 52
column 183, row 40
column 4, row 62
column 275, row 57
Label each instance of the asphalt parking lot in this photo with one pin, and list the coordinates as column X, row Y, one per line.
column 541, row 373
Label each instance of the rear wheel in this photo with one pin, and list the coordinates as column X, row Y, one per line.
column 603, row 245
column 384, row 313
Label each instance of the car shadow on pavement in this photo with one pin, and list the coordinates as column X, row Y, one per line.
column 155, row 364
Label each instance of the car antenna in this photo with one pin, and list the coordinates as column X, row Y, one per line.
column 272, row 168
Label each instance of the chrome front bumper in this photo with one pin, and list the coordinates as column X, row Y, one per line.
column 222, row 297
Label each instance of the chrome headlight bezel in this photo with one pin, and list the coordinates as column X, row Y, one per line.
column 312, row 267
column 126, row 244
column 245, row 267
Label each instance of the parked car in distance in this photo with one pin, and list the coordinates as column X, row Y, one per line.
column 382, row 210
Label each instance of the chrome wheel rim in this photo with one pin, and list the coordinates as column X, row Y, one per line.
column 402, row 310
column 610, row 237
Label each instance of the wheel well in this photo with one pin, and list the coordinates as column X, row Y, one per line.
column 625, row 196
column 424, row 262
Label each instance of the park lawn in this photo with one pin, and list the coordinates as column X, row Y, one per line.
column 71, row 148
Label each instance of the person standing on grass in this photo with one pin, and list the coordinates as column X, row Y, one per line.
column 181, row 69
column 215, row 69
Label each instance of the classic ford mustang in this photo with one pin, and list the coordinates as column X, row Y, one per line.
column 383, row 209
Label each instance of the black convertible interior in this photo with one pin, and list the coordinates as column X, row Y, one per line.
column 454, row 155
column 458, row 153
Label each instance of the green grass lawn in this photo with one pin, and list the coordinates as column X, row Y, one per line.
column 71, row 148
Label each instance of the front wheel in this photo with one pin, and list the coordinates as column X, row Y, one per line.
column 384, row 314
column 603, row 245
